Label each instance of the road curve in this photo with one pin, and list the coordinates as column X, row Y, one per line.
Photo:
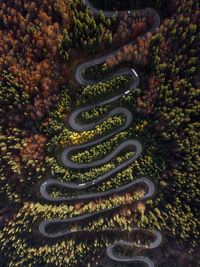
column 79, row 71
column 112, row 254
column 53, row 182
column 72, row 120
column 45, row 224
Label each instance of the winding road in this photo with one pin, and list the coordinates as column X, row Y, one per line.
column 72, row 120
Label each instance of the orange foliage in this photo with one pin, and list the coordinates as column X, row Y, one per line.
column 34, row 149
column 28, row 47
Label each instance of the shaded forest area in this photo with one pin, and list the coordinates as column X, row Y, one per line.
column 169, row 6
column 40, row 42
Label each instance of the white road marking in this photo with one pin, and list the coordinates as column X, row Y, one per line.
column 134, row 72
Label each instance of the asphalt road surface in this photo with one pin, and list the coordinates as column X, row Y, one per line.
column 72, row 120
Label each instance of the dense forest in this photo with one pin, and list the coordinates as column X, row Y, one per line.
column 168, row 5
column 41, row 45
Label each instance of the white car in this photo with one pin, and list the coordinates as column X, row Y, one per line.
column 129, row 12
column 81, row 184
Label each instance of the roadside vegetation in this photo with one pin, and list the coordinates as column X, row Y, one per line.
column 40, row 40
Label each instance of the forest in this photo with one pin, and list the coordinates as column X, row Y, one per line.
column 41, row 45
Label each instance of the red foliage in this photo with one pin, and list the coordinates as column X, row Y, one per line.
column 146, row 102
column 140, row 58
column 28, row 47
column 35, row 148
column 129, row 28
